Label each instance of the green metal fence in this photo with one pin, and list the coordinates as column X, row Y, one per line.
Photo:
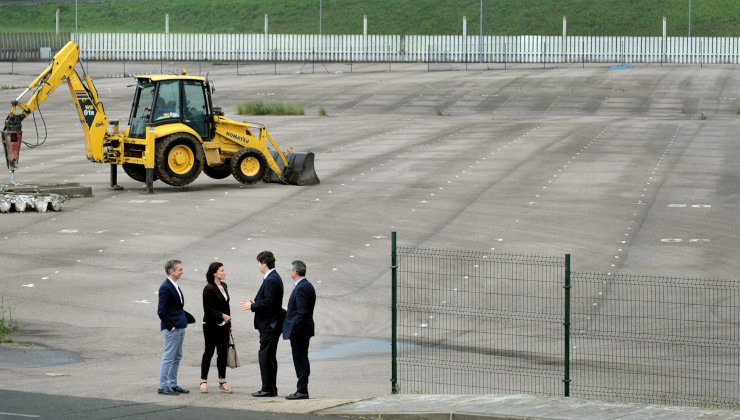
column 656, row 339
column 477, row 323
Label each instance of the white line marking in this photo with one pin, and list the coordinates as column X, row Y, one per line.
column 19, row 415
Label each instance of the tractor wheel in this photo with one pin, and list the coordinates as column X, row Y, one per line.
column 219, row 171
column 248, row 165
column 136, row 172
column 178, row 159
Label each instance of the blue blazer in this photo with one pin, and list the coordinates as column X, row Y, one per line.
column 299, row 319
column 268, row 304
column 170, row 310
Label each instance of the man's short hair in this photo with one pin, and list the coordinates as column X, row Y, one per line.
column 299, row 267
column 266, row 258
column 170, row 266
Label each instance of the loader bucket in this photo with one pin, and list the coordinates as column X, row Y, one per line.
column 12, row 146
column 300, row 170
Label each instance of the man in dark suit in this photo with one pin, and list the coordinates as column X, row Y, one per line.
column 299, row 327
column 172, row 323
column 268, row 320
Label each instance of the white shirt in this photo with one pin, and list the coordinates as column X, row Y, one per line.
column 298, row 281
column 174, row 283
column 268, row 272
column 223, row 292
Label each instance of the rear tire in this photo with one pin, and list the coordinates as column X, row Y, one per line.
column 219, row 171
column 178, row 159
column 248, row 165
column 136, row 172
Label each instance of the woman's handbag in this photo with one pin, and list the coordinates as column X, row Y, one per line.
column 232, row 358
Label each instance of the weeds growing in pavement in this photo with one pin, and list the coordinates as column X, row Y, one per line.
column 8, row 326
column 261, row 108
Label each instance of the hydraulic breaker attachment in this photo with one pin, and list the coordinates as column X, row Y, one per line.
column 300, row 169
column 12, row 146
column 12, row 137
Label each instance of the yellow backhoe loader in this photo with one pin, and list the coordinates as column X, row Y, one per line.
column 174, row 131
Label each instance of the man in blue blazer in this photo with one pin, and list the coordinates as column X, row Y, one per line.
column 299, row 326
column 172, row 323
column 268, row 320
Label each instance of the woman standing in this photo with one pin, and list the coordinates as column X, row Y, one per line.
column 216, row 326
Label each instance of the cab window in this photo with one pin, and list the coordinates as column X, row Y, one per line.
column 194, row 110
column 166, row 103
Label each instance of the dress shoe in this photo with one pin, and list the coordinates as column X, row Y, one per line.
column 180, row 390
column 167, row 391
column 297, row 396
column 264, row 394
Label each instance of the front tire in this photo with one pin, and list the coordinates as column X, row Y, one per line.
column 178, row 159
column 218, row 171
column 248, row 165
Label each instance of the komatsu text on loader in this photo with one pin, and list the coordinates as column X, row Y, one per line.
column 174, row 131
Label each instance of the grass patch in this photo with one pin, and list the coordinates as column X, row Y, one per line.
column 322, row 112
column 275, row 108
column 8, row 326
column 7, row 87
column 738, row 109
column 702, row 116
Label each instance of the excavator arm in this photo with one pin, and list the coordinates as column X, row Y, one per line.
column 49, row 80
column 89, row 109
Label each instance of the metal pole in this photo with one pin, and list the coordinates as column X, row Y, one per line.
column 482, row 29
column 394, row 342
column 689, row 18
column 566, row 330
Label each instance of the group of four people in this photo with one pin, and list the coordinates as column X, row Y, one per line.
column 270, row 319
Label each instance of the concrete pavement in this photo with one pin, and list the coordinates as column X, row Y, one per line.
column 464, row 160
column 14, row 404
column 469, row 407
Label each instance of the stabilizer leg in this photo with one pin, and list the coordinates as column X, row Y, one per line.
column 149, row 182
column 114, row 177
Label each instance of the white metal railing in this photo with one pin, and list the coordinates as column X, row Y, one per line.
column 408, row 48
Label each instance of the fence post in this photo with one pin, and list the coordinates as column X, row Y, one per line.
column 566, row 330
column 544, row 52
column 394, row 343
column 428, row 58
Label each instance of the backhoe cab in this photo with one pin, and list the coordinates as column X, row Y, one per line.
column 174, row 133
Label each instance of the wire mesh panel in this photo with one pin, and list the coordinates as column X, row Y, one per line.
column 472, row 323
column 655, row 340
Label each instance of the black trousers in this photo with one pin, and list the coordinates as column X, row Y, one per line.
column 299, row 347
column 217, row 338
column 268, row 360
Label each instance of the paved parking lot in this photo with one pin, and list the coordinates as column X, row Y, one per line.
column 628, row 170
